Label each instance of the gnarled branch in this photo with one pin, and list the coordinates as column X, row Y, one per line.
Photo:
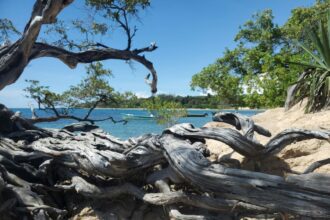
column 71, row 59
column 15, row 57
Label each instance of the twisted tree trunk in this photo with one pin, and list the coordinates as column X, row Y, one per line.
column 50, row 173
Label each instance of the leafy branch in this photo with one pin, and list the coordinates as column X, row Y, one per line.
column 90, row 92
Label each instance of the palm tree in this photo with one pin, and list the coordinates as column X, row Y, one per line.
column 314, row 83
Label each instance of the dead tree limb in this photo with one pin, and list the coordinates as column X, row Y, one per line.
column 15, row 57
column 71, row 59
column 247, row 146
column 272, row 192
column 241, row 122
column 41, row 177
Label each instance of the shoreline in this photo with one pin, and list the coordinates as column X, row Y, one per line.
column 193, row 109
column 200, row 109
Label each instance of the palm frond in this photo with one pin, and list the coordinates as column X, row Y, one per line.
column 324, row 40
column 315, row 86
column 310, row 52
column 316, row 40
column 328, row 27
column 307, row 64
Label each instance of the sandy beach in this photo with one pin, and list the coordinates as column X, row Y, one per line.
column 294, row 158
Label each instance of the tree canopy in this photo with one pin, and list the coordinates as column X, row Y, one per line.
column 260, row 64
column 166, row 112
column 91, row 92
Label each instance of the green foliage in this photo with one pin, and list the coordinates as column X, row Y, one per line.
column 215, row 77
column 92, row 88
column 301, row 17
column 259, row 64
column 260, row 31
column 131, row 6
column 45, row 98
column 130, row 100
column 315, row 84
column 91, row 91
column 234, row 77
column 253, row 97
column 7, row 29
column 85, row 95
column 207, row 101
column 166, row 112
column 104, row 17
column 125, row 100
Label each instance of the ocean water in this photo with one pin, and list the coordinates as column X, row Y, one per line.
column 134, row 127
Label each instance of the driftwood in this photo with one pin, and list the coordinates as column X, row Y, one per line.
column 47, row 174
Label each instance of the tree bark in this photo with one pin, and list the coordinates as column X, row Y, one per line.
column 15, row 57
column 42, row 172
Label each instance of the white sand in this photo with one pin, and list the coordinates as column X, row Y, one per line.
column 295, row 157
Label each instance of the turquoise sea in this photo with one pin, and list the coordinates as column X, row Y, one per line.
column 133, row 127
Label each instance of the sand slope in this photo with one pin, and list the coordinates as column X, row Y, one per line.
column 295, row 157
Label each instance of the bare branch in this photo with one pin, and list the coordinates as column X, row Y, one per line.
column 15, row 57
column 72, row 59
column 60, row 116
column 17, row 54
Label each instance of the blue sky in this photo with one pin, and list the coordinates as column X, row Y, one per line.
column 190, row 34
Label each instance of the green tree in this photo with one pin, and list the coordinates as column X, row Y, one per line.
column 91, row 92
column 127, row 100
column 166, row 113
column 239, row 68
column 7, row 30
column 302, row 17
column 261, row 59
column 216, row 78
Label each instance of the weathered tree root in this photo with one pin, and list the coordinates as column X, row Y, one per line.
column 317, row 164
column 43, row 172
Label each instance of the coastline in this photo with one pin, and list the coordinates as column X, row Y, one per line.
column 199, row 109
column 189, row 109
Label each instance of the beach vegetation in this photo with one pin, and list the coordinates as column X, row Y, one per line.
column 314, row 82
column 166, row 113
column 92, row 91
column 258, row 70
